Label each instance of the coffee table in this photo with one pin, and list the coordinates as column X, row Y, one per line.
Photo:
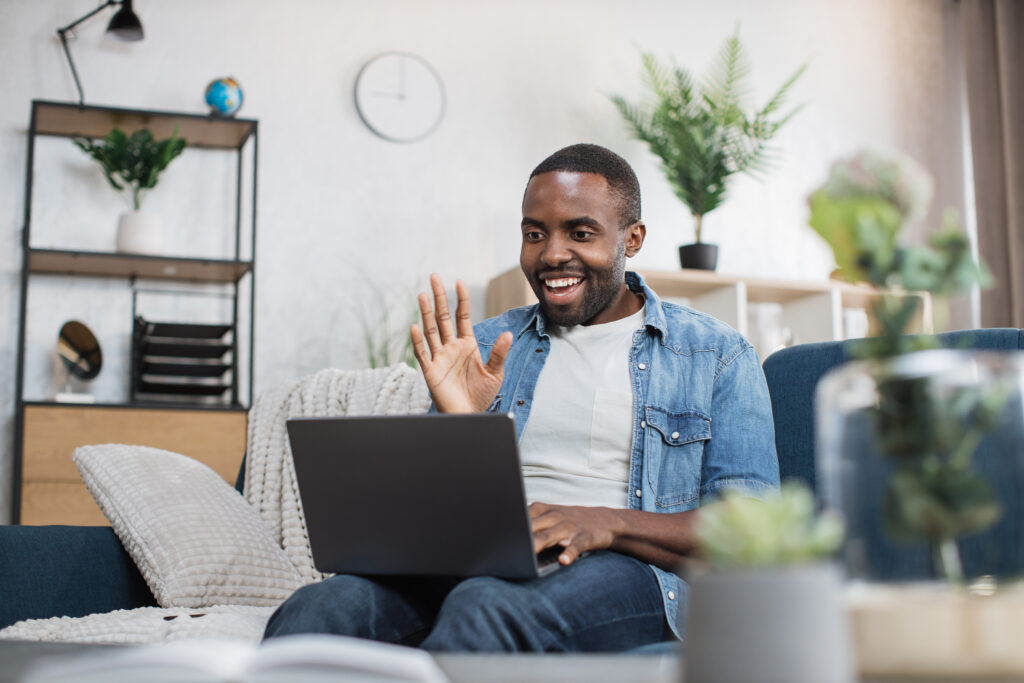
column 17, row 656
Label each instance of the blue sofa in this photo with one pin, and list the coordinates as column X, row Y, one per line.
column 73, row 571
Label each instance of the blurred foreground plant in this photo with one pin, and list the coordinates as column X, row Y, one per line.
column 932, row 493
column 778, row 530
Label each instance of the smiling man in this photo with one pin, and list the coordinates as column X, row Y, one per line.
column 630, row 413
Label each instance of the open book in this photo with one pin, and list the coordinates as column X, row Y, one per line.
column 293, row 658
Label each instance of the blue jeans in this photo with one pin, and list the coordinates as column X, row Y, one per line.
column 604, row 602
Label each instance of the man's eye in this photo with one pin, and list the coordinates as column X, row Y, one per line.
column 581, row 235
column 532, row 235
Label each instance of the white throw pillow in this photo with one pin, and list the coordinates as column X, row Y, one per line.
column 195, row 540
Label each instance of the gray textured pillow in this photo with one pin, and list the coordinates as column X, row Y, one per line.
column 195, row 540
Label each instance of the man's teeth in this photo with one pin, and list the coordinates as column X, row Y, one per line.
column 563, row 282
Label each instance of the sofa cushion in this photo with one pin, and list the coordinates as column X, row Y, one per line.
column 195, row 540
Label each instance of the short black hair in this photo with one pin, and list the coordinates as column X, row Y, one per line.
column 587, row 158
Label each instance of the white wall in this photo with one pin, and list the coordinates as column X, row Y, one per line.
column 340, row 208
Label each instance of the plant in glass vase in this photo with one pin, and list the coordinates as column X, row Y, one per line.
column 925, row 413
column 132, row 165
column 702, row 133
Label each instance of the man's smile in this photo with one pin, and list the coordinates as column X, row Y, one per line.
column 561, row 289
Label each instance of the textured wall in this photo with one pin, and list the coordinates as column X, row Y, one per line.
column 342, row 213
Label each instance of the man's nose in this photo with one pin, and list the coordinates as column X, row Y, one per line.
column 556, row 251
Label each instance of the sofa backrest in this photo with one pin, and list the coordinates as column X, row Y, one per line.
column 793, row 374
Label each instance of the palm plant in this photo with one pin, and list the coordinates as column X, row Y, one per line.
column 700, row 131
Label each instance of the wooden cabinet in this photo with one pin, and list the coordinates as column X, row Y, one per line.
column 53, row 493
column 810, row 311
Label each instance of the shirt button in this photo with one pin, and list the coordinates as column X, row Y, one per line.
column 642, row 366
column 675, row 435
column 643, row 424
column 639, row 493
column 520, row 402
column 671, row 595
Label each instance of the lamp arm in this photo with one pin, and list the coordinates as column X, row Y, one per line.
column 78, row 21
column 62, row 32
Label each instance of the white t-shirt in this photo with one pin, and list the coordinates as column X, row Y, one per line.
column 576, row 443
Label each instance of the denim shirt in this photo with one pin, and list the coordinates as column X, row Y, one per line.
column 702, row 418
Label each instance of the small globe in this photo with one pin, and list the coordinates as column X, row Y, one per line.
column 224, row 95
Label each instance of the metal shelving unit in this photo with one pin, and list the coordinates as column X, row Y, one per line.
column 63, row 119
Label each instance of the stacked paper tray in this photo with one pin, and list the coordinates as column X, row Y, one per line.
column 181, row 361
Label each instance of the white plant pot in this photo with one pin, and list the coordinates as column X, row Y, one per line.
column 784, row 625
column 140, row 232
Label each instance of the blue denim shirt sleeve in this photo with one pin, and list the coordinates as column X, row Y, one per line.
column 741, row 452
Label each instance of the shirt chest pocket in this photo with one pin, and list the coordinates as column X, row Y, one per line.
column 675, row 442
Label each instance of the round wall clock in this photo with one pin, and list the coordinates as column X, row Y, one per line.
column 399, row 96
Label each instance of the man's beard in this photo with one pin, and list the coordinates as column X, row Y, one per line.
column 601, row 286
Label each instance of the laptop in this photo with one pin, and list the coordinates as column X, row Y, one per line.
column 425, row 495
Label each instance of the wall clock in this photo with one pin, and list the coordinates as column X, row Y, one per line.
column 399, row 96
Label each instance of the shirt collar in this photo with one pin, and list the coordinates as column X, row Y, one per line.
column 654, row 317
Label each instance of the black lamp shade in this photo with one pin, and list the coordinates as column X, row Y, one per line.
column 125, row 24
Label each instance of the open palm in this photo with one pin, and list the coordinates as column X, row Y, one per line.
column 458, row 379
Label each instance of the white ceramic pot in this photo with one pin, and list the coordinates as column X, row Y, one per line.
column 784, row 625
column 140, row 232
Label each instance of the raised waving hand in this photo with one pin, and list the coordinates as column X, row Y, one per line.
column 458, row 379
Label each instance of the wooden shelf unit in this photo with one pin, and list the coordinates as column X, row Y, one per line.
column 813, row 311
column 46, row 486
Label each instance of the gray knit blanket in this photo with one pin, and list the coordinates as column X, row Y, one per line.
column 270, row 489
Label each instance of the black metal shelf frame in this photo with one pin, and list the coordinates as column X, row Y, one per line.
column 65, row 119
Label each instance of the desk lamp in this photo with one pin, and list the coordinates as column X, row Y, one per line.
column 124, row 25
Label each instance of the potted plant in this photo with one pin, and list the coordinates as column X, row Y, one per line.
column 770, row 607
column 132, row 164
column 703, row 135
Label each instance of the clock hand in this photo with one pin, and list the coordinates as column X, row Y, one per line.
column 401, row 77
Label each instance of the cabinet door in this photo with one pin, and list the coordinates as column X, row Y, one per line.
column 53, row 493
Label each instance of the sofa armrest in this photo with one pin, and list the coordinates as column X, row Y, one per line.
column 55, row 571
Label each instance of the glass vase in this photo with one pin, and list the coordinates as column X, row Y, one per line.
column 923, row 454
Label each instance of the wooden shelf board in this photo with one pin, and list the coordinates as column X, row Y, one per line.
column 61, row 262
column 179, row 407
column 66, row 119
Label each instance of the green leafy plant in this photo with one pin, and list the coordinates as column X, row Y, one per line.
column 132, row 163
column 778, row 530
column 932, row 493
column 701, row 131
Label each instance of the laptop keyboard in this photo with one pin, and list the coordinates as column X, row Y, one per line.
column 547, row 559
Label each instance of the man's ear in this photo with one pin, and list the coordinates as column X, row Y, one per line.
column 634, row 238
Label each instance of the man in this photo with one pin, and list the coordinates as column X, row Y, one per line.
column 630, row 412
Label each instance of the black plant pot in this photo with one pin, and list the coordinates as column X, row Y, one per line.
column 700, row 256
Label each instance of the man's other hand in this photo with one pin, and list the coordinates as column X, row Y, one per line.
column 458, row 379
column 577, row 529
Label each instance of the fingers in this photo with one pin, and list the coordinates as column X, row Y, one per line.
column 573, row 549
column 462, row 318
column 442, row 314
column 496, row 361
column 419, row 347
column 572, row 540
column 537, row 509
column 429, row 324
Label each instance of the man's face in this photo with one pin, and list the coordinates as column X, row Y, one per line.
column 574, row 250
